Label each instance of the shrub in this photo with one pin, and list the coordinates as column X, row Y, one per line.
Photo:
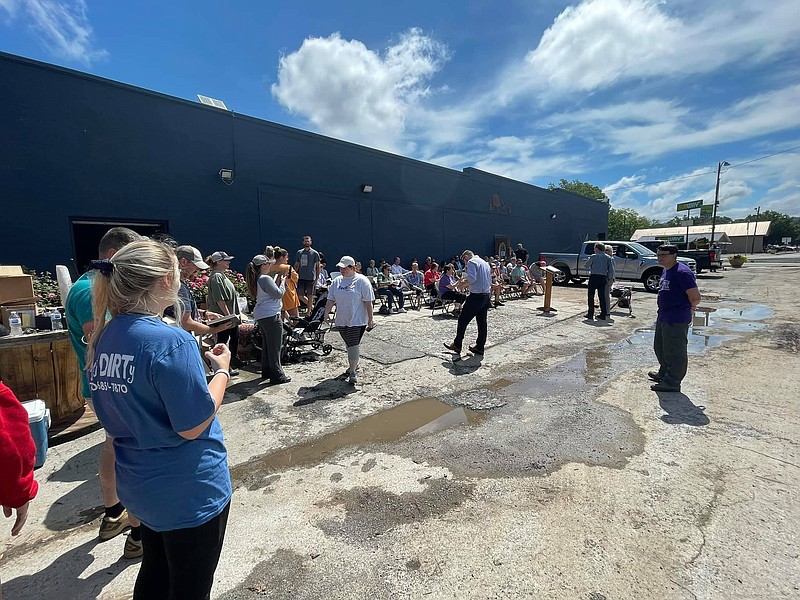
column 46, row 287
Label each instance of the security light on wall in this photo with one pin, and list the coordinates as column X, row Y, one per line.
column 226, row 175
column 366, row 189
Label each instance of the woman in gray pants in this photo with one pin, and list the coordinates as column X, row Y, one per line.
column 268, row 293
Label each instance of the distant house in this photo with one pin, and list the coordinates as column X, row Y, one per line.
column 732, row 237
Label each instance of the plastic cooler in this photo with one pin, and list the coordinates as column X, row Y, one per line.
column 39, row 421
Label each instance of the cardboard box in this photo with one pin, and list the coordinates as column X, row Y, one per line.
column 11, row 270
column 27, row 313
column 15, row 288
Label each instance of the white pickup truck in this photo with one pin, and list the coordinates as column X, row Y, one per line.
column 632, row 262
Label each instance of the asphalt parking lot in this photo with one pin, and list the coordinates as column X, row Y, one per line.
column 545, row 469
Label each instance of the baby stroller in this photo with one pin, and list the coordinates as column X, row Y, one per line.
column 302, row 332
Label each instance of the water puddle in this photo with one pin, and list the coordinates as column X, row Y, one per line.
column 756, row 312
column 712, row 327
column 417, row 417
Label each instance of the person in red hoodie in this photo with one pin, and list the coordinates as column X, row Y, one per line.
column 17, row 454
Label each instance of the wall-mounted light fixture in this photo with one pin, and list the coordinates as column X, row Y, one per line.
column 226, row 175
column 366, row 188
column 553, row 215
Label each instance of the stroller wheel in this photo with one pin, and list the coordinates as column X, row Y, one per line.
column 327, row 349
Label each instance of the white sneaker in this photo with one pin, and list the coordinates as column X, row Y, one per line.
column 351, row 379
column 402, row 310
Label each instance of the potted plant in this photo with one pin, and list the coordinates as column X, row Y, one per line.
column 737, row 260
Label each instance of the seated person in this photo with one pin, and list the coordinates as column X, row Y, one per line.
column 519, row 277
column 387, row 287
column 397, row 268
column 431, row 280
column 537, row 276
column 415, row 279
column 447, row 287
column 372, row 270
column 323, row 277
column 497, row 284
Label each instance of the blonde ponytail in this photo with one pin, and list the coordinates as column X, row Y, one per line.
column 139, row 278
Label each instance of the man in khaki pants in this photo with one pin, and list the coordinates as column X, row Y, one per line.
column 80, row 322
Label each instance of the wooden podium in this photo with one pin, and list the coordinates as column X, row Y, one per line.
column 548, row 289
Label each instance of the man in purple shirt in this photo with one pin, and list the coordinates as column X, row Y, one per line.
column 677, row 297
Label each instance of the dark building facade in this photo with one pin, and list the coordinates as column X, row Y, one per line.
column 81, row 154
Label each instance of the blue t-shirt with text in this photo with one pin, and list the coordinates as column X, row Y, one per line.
column 148, row 383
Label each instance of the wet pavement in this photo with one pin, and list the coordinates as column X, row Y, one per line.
column 546, row 468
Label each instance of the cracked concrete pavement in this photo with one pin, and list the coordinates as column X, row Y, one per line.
column 548, row 469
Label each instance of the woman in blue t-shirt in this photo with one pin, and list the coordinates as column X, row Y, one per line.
column 150, row 394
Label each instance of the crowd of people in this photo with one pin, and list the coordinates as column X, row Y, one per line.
column 153, row 394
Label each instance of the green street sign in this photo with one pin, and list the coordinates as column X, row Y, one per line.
column 707, row 210
column 690, row 205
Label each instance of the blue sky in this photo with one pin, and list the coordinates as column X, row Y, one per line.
column 641, row 98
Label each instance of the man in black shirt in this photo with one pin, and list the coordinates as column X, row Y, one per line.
column 521, row 253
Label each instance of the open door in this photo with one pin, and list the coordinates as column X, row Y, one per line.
column 87, row 233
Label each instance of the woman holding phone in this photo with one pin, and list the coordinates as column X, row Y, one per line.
column 291, row 301
column 268, row 294
column 150, row 394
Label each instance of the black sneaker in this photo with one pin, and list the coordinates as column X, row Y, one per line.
column 663, row 387
column 474, row 350
column 588, row 317
column 280, row 381
column 654, row 375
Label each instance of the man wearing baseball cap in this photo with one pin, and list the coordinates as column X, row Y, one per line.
column 189, row 262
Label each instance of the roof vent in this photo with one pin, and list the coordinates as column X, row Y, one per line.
column 212, row 102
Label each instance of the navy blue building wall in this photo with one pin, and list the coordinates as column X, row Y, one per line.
column 80, row 147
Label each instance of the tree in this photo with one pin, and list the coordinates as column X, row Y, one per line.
column 579, row 187
column 622, row 222
column 673, row 222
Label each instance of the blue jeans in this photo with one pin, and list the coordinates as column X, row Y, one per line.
column 392, row 293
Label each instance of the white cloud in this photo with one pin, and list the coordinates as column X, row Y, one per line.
column 10, row 6
column 601, row 43
column 63, row 27
column 348, row 91
column 772, row 183
column 651, row 128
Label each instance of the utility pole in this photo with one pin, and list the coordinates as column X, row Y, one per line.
column 716, row 200
column 755, row 231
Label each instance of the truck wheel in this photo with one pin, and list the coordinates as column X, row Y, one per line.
column 563, row 277
column 651, row 280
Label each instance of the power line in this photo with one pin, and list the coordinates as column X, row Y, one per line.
column 709, row 172
column 767, row 156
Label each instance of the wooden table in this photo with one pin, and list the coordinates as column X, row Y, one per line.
column 42, row 365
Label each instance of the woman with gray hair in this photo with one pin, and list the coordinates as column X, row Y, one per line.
column 150, row 394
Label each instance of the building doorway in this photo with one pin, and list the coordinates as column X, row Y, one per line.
column 87, row 233
column 502, row 246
